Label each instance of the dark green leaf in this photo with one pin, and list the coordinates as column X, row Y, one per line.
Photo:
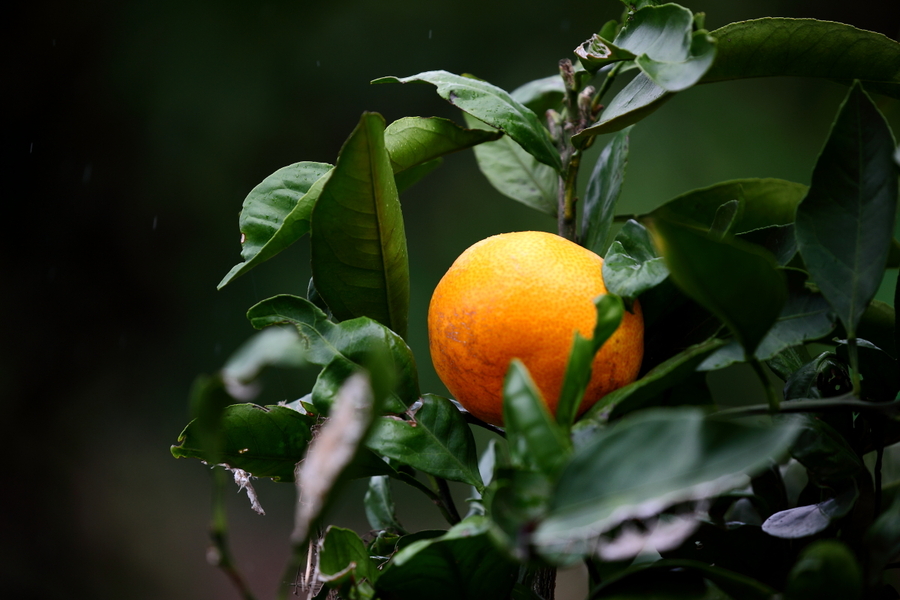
column 674, row 455
column 780, row 240
column 610, row 310
column 438, row 441
column 734, row 280
column 879, row 371
column 829, row 460
column 602, row 193
column 406, row 179
column 463, row 563
column 535, row 440
column 597, row 52
column 515, row 501
column 845, row 224
column 264, row 441
column 775, row 47
column 762, row 203
column 359, row 255
column 275, row 347
column 344, row 560
column 804, row 521
column 495, row 107
column 516, row 174
column 883, row 540
column 877, row 326
column 638, row 99
column 276, row 213
column 632, row 266
column 787, row 362
column 822, row 377
column 412, row 141
column 357, row 340
column 724, row 219
column 825, row 570
column 541, row 95
column 379, row 504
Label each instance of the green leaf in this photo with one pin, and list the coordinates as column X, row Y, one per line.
column 883, row 540
column 535, row 440
column 276, row 213
column 438, row 441
column 602, row 193
column 406, row 179
column 780, row 240
column 632, row 265
column 463, row 563
column 822, row 377
column 359, row 256
column 610, row 310
column 637, row 100
column 776, row 47
column 264, row 441
column 804, row 521
column 831, row 463
column 761, row 203
column 516, row 174
column 495, row 107
column 379, row 504
column 516, row 500
column 413, row 141
column 826, row 570
column 275, row 347
column 736, row 281
column 356, row 341
column 344, row 561
column 597, row 52
column 673, row 455
column 541, row 95
column 678, row 75
column 845, row 224
column 661, row 577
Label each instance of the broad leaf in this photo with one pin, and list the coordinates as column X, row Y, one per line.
column 845, row 224
column 516, row 174
column 405, row 179
column 535, row 440
column 412, row 141
column 438, row 441
column 359, row 255
column 463, row 563
column 632, row 265
column 495, row 107
column 344, row 560
column 276, row 213
column 804, row 521
column 541, row 95
column 674, row 455
column 736, row 281
column 780, row 240
column 638, row 99
column 602, row 193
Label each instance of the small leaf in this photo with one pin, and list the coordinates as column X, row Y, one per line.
column 344, row 560
column 845, row 224
column 516, row 500
column 413, row 141
column 495, row 107
column 438, row 441
column 632, row 266
column 276, row 213
column 597, row 52
column 359, row 255
column 822, row 377
column 804, row 521
column 724, row 219
column 275, row 347
column 602, row 193
column 379, row 504
column 516, row 174
column 825, row 570
column 535, row 440
column 736, row 281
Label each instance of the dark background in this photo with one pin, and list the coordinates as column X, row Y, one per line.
column 131, row 132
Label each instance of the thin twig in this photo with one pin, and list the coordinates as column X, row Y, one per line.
column 220, row 553
column 432, row 495
column 443, row 489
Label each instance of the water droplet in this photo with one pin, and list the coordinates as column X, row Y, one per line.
column 243, row 238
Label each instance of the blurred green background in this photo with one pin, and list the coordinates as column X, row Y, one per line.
column 132, row 131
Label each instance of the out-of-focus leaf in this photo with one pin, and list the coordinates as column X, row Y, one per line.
column 535, row 440
column 877, row 326
column 438, row 441
column 610, row 310
column 344, row 561
column 412, row 141
column 825, row 570
column 359, row 255
column 276, row 213
column 724, row 219
column 804, row 521
column 674, row 455
column 541, row 95
column 632, row 265
column 406, row 179
column 829, row 460
column 357, row 340
column 516, row 500
column 602, row 193
column 516, row 174
column 879, row 371
column 462, row 563
column 883, row 540
column 736, row 281
column 777, row 239
column 495, row 107
column 845, row 224
column 776, row 47
column 275, row 347
column 379, row 504
column 822, row 377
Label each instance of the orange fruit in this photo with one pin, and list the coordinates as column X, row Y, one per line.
column 523, row 295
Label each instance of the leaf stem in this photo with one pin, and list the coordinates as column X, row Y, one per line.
column 220, row 553
column 567, row 195
column 449, row 513
column 853, row 350
column 443, row 490
column 771, row 393
column 604, row 87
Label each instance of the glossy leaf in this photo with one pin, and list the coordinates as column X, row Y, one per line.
column 632, row 266
column 356, row 340
column 610, row 310
column 845, row 224
column 674, row 455
column 379, row 505
column 276, row 213
column 463, row 563
column 264, row 441
column 359, row 255
column 535, row 440
column 737, row 282
column 775, row 47
column 412, row 141
column 804, row 521
column 602, row 193
column 637, row 100
column 516, row 174
column 438, row 441
column 678, row 75
column 344, row 561
column 495, row 107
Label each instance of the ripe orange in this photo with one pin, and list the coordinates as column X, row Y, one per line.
column 523, row 295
